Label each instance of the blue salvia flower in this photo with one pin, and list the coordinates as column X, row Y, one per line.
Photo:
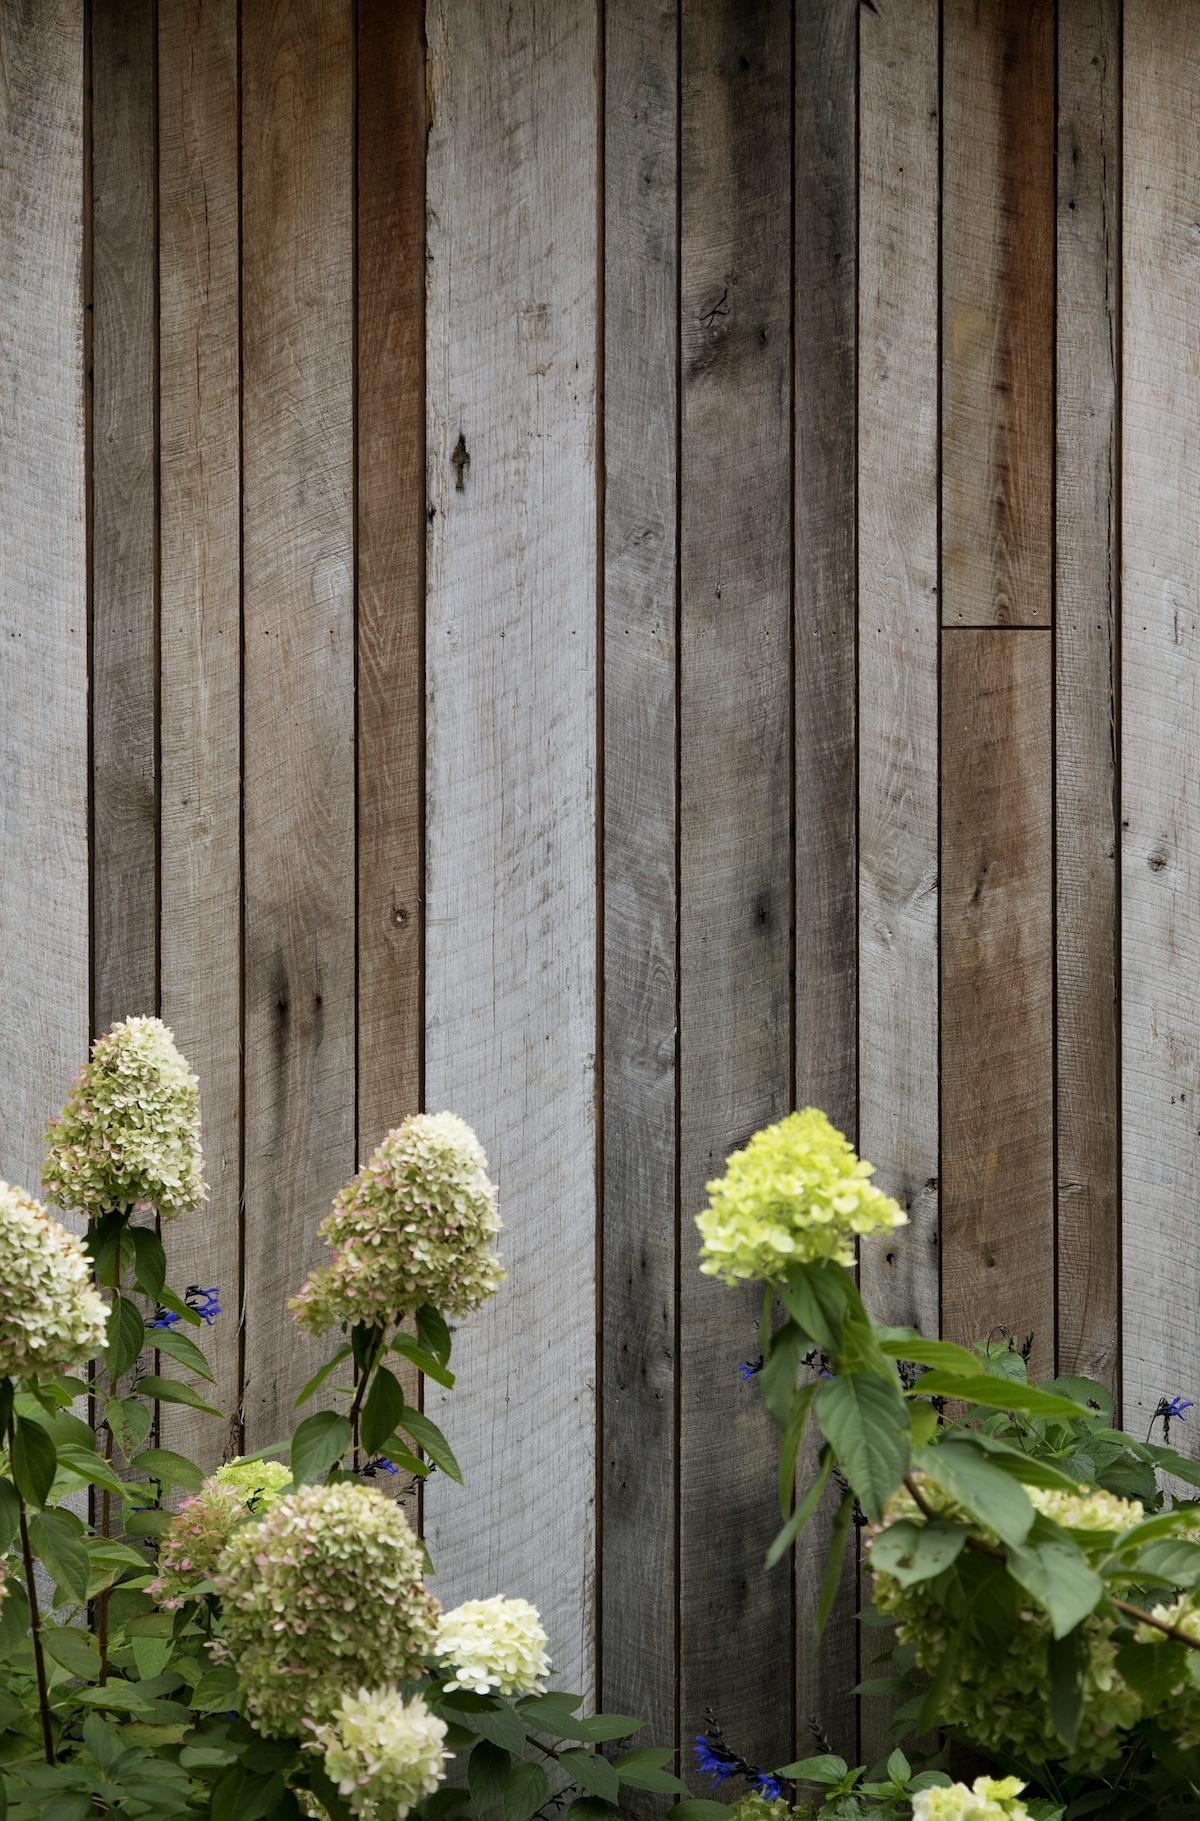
column 749, row 1368
column 165, row 1318
column 205, row 1302
column 381, row 1464
column 1174, row 1407
column 713, row 1760
column 767, row 1785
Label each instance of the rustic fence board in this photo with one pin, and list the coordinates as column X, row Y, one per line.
column 510, row 998
column 641, row 1242
column 1160, row 792
column 201, row 644
column 298, row 701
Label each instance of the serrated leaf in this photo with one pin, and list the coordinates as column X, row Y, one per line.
column 174, row 1391
column 91, row 1467
column 912, row 1552
column 989, row 1494
column 525, row 1790
column 433, row 1333
column 125, row 1336
column 501, row 1726
column 431, row 1441
column 10, row 1514
column 184, row 1352
column 823, row 1767
column 596, row 1728
column 150, row 1262
column 74, row 1649
column 865, row 1422
column 169, row 1468
column 34, row 1459
column 129, row 1419
column 319, row 1442
column 423, row 1360
column 992, row 1392
column 1059, row 1579
column 217, row 1691
column 56, row 1542
column 487, row 1772
column 592, row 1773
column 381, row 1411
column 945, row 1355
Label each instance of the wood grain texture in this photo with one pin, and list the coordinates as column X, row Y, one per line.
column 1160, row 784
column 1086, row 643
column 298, row 532
column 735, row 884
column 996, row 967
column 124, row 513
column 898, row 674
column 511, row 776
column 641, row 334
column 200, row 691
column 43, row 579
column 391, row 556
column 825, row 230
column 998, row 312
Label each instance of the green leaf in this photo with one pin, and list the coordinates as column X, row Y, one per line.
column 945, row 1354
column 994, row 1393
column 10, row 1514
column 487, row 1772
column 831, row 1580
column 592, row 1808
column 169, row 1469
column 104, row 1744
column 599, row 1727
column 382, row 1410
column 430, row 1439
column 91, row 1467
column 217, row 1691
column 784, row 1538
column 174, row 1391
column 70, row 1807
column 789, row 1447
column 34, row 1459
column 150, row 1262
column 1066, row 1688
column 551, row 1707
column 1059, row 1579
column 319, row 1442
column 424, row 1361
column 433, row 1333
column 647, row 1769
column 14, row 1617
column 988, row 1493
column 818, row 1298
column 175, row 1304
column 318, row 1378
column 126, row 1335
column 777, row 1381
column 698, row 1808
column 184, row 1352
column 56, row 1541
column 913, row 1552
column 866, row 1424
column 898, row 1768
column 591, row 1772
column 502, row 1727
column 121, row 1696
column 76, row 1650
column 525, row 1790
column 129, row 1419
column 824, row 1768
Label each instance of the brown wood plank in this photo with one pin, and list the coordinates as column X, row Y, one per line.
column 996, row 979
column 511, row 1006
column 201, row 650
column 124, row 513
column 825, row 709
column 391, row 556
column 298, row 532
column 641, row 335
column 898, row 673
column 43, row 579
column 1160, row 713
column 998, row 312
column 1086, row 643
column 735, row 879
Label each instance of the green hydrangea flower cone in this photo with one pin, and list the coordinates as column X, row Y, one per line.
column 325, row 1593
column 417, row 1225
column 52, row 1320
column 795, row 1194
column 191, row 1545
column 384, row 1753
column 129, row 1133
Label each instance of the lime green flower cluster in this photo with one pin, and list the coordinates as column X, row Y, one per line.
column 325, row 1592
column 192, row 1543
column 415, row 1226
column 384, row 1753
column 129, row 1133
column 795, row 1194
column 1000, row 1692
column 51, row 1318
column 1093, row 1510
column 494, row 1646
column 756, row 1807
column 1183, row 1700
column 988, row 1799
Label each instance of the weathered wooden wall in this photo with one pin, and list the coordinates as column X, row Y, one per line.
column 565, row 561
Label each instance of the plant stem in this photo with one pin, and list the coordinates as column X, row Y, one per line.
column 35, row 1623
column 360, row 1389
column 549, row 1751
column 106, row 1496
column 997, row 1554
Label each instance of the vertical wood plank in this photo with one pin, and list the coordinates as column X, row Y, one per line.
column 825, row 710
column 898, row 670
column 735, row 1022
column 391, row 555
column 1086, row 643
column 998, row 312
column 43, row 579
column 298, row 529
column 124, row 513
column 997, row 1060
column 511, row 681
column 200, row 689
column 1160, row 791
column 641, row 333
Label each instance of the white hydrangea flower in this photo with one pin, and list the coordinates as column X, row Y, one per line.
column 52, row 1319
column 988, row 1799
column 384, row 1753
column 129, row 1133
column 1092, row 1510
column 494, row 1646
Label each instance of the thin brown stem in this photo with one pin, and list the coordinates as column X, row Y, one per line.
column 549, row 1751
column 997, row 1554
column 106, row 1496
column 35, row 1622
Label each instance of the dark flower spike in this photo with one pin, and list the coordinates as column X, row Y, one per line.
column 749, row 1368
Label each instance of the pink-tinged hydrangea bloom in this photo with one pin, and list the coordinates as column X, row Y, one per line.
column 494, row 1646
column 325, row 1593
column 191, row 1545
column 416, row 1226
column 384, row 1753
column 129, row 1133
column 52, row 1319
